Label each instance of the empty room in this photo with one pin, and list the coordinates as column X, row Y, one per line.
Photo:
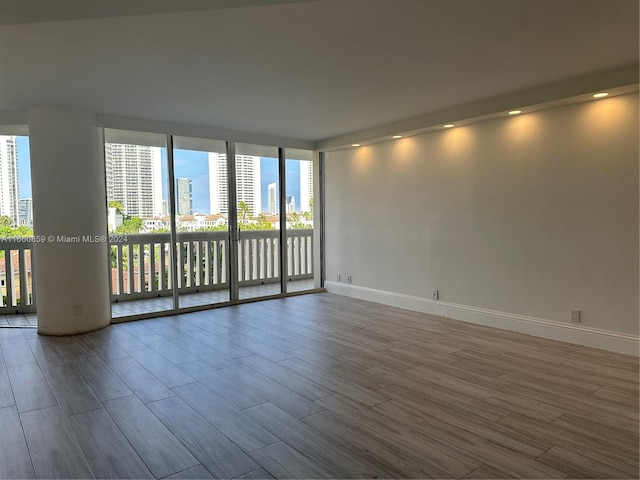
column 255, row 239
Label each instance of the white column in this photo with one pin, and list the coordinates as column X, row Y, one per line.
column 71, row 272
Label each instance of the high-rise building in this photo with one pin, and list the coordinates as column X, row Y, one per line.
column 218, row 191
column 291, row 204
column 25, row 211
column 134, row 178
column 306, row 185
column 9, row 178
column 271, row 198
column 184, row 196
column 247, row 183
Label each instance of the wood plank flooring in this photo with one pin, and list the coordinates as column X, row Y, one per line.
column 314, row 386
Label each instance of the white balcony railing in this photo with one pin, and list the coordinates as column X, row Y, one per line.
column 16, row 276
column 140, row 263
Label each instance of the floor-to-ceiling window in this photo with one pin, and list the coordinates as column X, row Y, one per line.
column 198, row 222
column 202, row 221
column 300, row 221
column 139, row 222
column 257, row 186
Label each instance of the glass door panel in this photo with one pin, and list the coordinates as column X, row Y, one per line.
column 300, row 221
column 138, row 222
column 201, row 217
column 258, row 204
column 17, row 298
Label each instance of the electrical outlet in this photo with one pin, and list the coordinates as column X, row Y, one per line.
column 575, row 316
column 339, row 277
column 77, row 309
column 435, row 294
column 349, row 279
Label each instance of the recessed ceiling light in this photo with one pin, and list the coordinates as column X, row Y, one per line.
column 397, row 136
column 600, row 95
column 515, row 112
column 449, row 125
column 355, row 144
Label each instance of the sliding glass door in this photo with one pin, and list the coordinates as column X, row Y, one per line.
column 257, row 186
column 300, row 220
column 197, row 222
column 16, row 228
column 202, row 221
column 138, row 222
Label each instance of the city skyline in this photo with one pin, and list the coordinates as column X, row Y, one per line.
column 194, row 165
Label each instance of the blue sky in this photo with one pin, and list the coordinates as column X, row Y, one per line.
column 189, row 164
column 24, row 168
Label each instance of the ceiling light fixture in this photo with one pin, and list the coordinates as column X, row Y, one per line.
column 355, row 144
column 515, row 112
column 449, row 125
column 397, row 136
column 600, row 95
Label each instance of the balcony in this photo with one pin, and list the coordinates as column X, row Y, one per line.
column 16, row 276
column 141, row 280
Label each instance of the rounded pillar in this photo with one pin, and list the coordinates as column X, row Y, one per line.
column 71, row 274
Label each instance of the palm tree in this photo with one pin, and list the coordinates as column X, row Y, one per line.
column 243, row 211
column 294, row 220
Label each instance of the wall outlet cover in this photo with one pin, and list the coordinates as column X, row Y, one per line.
column 575, row 316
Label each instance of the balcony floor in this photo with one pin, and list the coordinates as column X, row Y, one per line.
column 19, row 320
column 154, row 305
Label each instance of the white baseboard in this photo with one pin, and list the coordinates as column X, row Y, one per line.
column 591, row 337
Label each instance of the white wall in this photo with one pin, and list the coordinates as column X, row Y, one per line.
column 531, row 215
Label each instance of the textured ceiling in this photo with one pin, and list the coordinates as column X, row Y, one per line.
column 304, row 70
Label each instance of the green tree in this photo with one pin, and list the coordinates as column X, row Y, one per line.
column 295, row 221
column 293, row 217
column 21, row 231
column 5, row 221
column 114, row 257
column 130, row 225
column 263, row 223
column 8, row 231
column 243, row 211
column 117, row 205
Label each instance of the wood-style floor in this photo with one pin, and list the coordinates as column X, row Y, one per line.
column 315, row 386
